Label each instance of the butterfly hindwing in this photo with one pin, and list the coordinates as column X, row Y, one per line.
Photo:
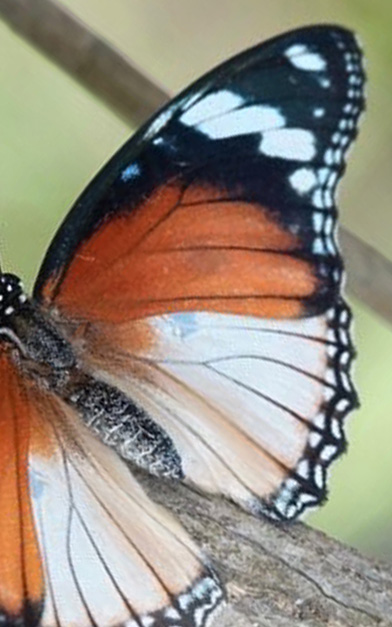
column 254, row 406
column 21, row 576
column 81, row 543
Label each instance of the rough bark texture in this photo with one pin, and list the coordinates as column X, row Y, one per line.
column 281, row 576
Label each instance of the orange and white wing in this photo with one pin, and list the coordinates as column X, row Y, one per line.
column 81, row 544
column 22, row 587
column 254, row 407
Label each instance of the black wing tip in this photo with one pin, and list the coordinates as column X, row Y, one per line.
column 327, row 28
column 308, row 31
column 196, row 606
column 206, row 597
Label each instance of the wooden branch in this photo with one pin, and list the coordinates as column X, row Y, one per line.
column 112, row 77
column 86, row 57
column 281, row 576
column 369, row 274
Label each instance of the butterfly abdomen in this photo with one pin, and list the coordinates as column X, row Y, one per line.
column 120, row 423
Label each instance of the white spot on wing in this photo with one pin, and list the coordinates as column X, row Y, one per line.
column 318, row 222
column 254, row 119
column 296, row 49
column 306, row 498
column 302, row 58
column 172, row 613
column 303, row 469
column 303, row 180
column 216, row 104
column 289, row 143
column 319, row 476
column 328, row 452
column 130, row 172
column 315, row 439
column 319, row 112
column 336, row 429
column 161, row 121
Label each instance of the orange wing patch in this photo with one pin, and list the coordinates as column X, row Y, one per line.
column 21, row 579
column 192, row 250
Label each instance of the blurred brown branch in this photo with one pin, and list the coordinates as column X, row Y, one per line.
column 86, row 57
column 369, row 274
column 112, row 77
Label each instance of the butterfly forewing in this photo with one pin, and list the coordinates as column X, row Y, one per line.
column 201, row 272
column 261, row 140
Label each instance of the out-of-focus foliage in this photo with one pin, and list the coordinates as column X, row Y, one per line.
column 55, row 136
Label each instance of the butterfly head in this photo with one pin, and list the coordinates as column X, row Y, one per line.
column 12, row 295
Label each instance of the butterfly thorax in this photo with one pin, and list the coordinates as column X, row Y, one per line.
column 11, row 295
column 40, row 345
column 41, row 350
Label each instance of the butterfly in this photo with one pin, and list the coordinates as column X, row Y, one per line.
column 187, row 319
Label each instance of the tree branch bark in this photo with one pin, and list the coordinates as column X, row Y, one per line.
column 105, row 71
column 281, row 576
column 278, row 576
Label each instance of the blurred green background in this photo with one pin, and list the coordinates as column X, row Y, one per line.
column 54, row 136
